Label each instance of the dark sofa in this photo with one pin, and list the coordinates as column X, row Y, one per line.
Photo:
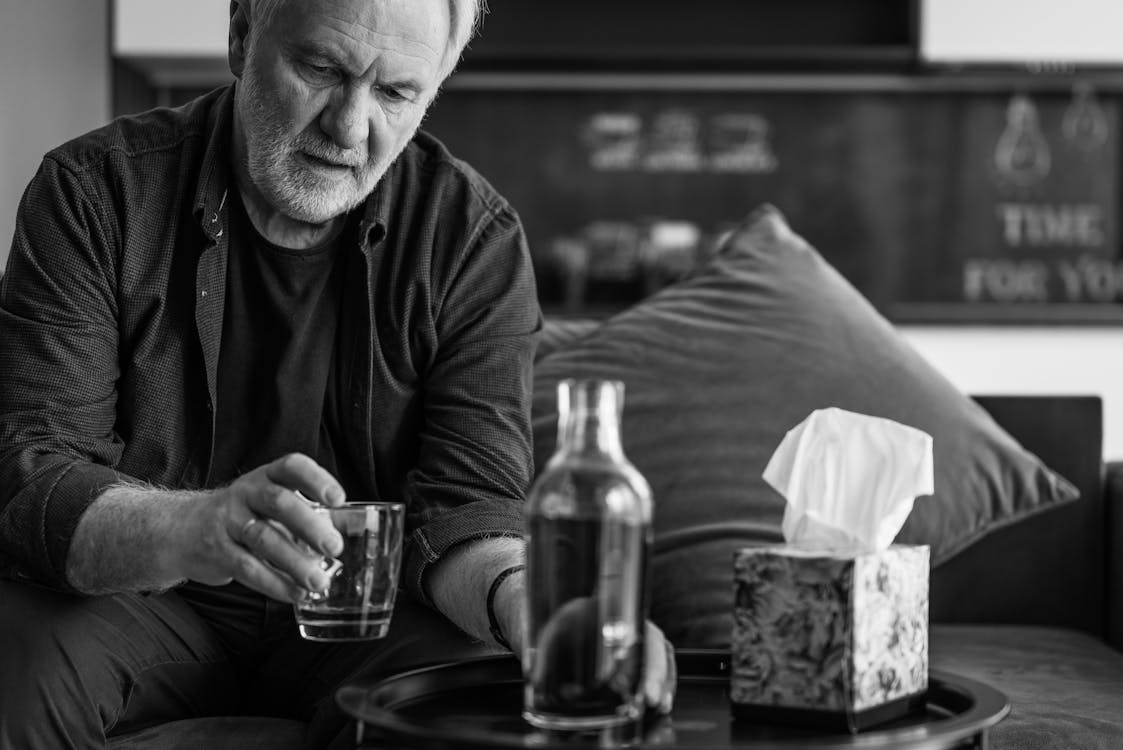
column 1034, row 609
column 1025, row 526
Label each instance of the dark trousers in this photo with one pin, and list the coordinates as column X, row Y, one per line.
column 76, row 669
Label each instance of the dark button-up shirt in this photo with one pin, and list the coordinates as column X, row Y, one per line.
column 111, row 317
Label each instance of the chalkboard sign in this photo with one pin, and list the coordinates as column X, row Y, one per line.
column 938, row 205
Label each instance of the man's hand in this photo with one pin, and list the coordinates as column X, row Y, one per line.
column 142, row 538
column 251, row 531
column 460, row 583
column 660, row 676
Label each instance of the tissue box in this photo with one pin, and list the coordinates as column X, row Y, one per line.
column 831, row 641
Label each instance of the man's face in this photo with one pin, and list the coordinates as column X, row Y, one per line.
column 331, row 92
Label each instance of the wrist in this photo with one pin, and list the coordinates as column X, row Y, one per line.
column 129, row 539
column 174, row 524
column 504, row 607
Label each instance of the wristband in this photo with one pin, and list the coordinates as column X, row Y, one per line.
column 492, row 621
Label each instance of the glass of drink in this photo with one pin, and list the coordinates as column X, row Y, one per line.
column 358, row 604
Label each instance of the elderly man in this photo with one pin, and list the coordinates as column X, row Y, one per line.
column 280, row 291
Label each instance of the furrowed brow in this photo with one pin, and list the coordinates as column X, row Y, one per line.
column 312, row 50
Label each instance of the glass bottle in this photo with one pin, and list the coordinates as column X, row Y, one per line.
column 589, row 528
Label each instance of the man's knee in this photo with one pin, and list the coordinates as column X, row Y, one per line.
column 83, row 665
column 42, row 633
column 51, row 686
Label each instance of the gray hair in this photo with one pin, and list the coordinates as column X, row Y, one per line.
column 464, row 21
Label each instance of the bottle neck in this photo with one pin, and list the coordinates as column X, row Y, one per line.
column 589, row 416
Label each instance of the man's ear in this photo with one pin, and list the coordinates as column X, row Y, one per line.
column 239, row 34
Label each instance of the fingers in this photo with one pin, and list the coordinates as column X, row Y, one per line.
column 660, row 676
column 255, row 574
column 279, row 493
column 280, row 541
column 300, row 473
column 271, row 543
column 298, row 516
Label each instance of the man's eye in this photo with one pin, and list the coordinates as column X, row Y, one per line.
column 393, row 94
column 320, row 72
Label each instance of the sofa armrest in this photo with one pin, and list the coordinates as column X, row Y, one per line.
column 1049, row 569
column 1113, row 502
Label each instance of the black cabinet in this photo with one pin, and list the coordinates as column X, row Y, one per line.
column 643, row 35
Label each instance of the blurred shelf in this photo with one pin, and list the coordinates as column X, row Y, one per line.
column 1055, row 314
column 983, row 81
column 930, row 314
column 710, row 58
column 194, row 72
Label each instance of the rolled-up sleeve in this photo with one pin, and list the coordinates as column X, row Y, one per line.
column 58, row 373
column 476, row 455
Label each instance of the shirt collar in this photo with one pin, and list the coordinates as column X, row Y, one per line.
column 210, row 193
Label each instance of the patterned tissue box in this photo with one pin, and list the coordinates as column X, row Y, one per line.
column 837, row 642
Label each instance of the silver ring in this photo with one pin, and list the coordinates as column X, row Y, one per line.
column 246, row 530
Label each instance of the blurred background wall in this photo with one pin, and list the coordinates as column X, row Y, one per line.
column 957, row 160
column 54, row 85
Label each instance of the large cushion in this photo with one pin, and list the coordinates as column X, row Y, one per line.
column 719, row 366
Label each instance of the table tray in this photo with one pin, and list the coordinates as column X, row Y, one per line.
column 476, row 704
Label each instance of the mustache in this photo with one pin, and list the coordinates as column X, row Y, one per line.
column 328, row 152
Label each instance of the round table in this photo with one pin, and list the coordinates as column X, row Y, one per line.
column 476, row 705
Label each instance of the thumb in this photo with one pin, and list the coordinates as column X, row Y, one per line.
column 660, row 673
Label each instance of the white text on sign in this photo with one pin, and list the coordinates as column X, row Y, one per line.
column 1083, row 279
column 1043, row 225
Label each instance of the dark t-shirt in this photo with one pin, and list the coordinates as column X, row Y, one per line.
column 278, row 388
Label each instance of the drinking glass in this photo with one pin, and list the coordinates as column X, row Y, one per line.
column 359, row 602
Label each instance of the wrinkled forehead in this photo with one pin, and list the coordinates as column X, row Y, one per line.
column 417, row 29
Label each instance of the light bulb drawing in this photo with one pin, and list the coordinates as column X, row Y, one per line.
column 1022, row 154
column 1085, row 123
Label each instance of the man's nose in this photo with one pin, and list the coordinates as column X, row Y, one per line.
column 345, row 118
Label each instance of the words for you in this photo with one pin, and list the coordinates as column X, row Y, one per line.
column 1083, row 279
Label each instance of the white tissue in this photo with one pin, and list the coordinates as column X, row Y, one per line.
column 849, row 480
